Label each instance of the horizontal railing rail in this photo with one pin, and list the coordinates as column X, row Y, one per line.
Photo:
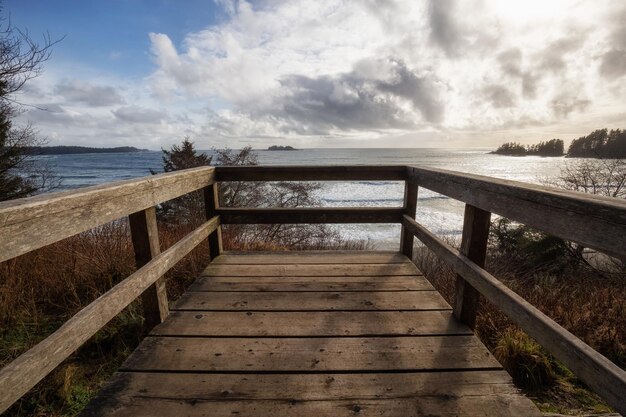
column 592, row 221
column 602, row 375
column 31, row 223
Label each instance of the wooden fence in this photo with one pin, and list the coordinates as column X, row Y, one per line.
column 592, row 221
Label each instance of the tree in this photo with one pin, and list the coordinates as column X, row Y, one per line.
column 190, row 208
column 21, row 59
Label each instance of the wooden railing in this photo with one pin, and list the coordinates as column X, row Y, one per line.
column 31, row 223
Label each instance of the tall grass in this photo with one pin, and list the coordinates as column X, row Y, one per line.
column 589, row 304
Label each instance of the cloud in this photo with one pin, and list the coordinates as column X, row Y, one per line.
column 566, row 103
column 137, row 114
column 376, row 94
column 85, row 93
column 499, row 96
column 613, row 63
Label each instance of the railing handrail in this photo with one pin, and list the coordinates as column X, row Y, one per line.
column 30, row 223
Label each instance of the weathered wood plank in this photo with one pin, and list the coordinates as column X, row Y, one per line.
column 30, row 223
column 603, row 376
column 476, row 224
column 393, row 283
column 410, row 208
column 311, row 173
column 336, row 323
column 300, row 301
column 23, row 373
column 311, row 257
column 312, row 215
column 485, row 393
column 311, row 270
column 309, row 354
column 594, row 221
column 211, row 203
column 145, row 237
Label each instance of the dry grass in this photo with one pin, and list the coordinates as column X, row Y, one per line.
column 42, row 289
column 590, row 305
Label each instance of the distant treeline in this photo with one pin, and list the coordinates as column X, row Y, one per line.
column 601, row 143
column 64, row 150
column 552, row 147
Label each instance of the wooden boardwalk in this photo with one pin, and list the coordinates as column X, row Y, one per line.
column 311, row 334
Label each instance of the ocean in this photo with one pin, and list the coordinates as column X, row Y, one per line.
column 442, row 215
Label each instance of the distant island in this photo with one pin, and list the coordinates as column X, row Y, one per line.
column 552, row 147
column 281, row 148
column 70, row 150
column 601, row 143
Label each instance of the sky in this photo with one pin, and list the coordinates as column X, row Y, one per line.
column 328, row 73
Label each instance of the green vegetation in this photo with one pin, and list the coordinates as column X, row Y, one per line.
column 581, row 290
column 21, row 59
column 552, row 147
column 600, row 144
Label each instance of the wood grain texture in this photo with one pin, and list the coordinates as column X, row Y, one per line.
column 594, row 221
column 199, row 354
column 311, row 270
column 319, row 323
column 30, row 223
column 311, row 173
column 301, row 301
column 410, row 208
column 314, row 215
column 145, row 237
column 603, row 376
column 392, row 283
column 311, row 257
column 211, row 203
column 474, row 241
column 23, row 373
column 450, row 394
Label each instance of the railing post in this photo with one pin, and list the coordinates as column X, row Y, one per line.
column 410, row 208
column 145, row 238
column 211, row 203
column 473, row 245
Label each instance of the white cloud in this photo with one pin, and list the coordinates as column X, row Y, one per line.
column 473, row 70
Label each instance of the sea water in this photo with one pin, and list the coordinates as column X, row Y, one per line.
column 442, row 215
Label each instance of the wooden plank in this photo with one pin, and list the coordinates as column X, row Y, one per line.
column 410, row 208
column 346, row 354
column 310, row 270
column 211, row 203
column 23, row 373
column 300, row 301
column 603, row 376
column 311, row 257
column 474, row 241
column 451, row 394
column 311, row 173
column 336, row 323
column 312, row 215
column 594, row 221
column 30, row 223
column 145, row 237
column 393, row 283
